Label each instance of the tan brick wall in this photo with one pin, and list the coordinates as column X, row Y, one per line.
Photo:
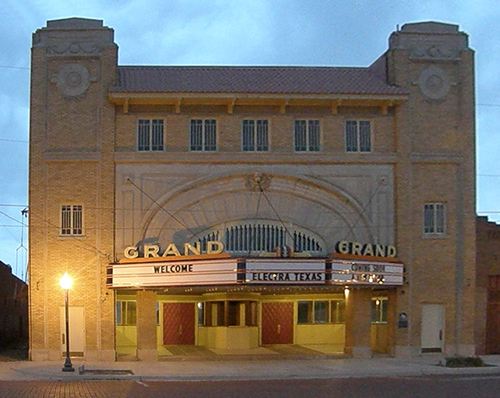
column 75, row 144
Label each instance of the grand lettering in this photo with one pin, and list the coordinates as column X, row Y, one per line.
column 367, row 249
column 152, row 251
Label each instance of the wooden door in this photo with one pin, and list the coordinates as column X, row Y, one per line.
column 493, row 316
column 178, row 323
column 277, row 323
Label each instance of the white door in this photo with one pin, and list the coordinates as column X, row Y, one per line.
column 432, row 328
column 76, row 331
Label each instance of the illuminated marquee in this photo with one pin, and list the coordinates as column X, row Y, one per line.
column 285, row 272
column 356, row 272
column 175, row 273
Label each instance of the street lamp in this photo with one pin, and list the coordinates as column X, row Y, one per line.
column 66, row 282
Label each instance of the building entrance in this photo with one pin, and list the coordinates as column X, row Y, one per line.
column 178, row 323
column 432, row 328
column 277, row 323
column 76, row 331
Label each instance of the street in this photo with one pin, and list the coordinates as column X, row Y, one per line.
column 479, row 386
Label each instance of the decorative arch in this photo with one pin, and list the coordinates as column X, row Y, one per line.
column 305, row 204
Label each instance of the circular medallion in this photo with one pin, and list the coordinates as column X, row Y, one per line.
column 434, row 83
column 73, row 80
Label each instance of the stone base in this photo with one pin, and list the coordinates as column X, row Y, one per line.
column 404, row 351
column 55, row 355
column 361, row 352
column 38, row 355
column 147, row 354
column 102, row 355
column 107, row 355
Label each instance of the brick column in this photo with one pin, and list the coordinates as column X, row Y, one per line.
column 146, row 326
column 358, row 323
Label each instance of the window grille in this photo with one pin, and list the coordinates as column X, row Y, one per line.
column 203, row 135
column 261, row 237
column 358, row 136
column 307, row 135
column 71, row 220
column 150, row 135
column 434, row 218
column 255, row 135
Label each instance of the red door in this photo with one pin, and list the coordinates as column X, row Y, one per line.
column 493, row 316
column 277, row 323
column 178, row 323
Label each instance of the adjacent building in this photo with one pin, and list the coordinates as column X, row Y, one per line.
column 231, row 208
column 488, row 287
column 14, row 314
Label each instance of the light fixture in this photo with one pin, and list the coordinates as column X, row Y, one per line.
column 66, row 283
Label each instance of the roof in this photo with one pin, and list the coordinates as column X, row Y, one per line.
column 252, row 80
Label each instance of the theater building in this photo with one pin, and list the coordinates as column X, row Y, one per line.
column 244, row 209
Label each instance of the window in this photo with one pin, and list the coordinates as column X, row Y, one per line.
column 203, row 135
column 307, row 135
column 150, row 135
column 337, row 311
column 358, row 136
column 227, row 313
column 71, row 220
column 255, row 135
column 321, row 311
column 304, row 314
column 379, row 310
column 126, row 313
column 434, row 218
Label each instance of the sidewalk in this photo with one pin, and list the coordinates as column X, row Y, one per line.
column 241, row 369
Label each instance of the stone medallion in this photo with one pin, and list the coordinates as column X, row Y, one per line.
column 434, row 83
column 73, row 80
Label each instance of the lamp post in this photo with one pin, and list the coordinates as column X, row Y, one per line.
column 66, row 282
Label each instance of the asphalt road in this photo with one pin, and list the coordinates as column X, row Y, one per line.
column 400, row 387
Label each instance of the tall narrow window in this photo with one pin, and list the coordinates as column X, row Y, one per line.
column 358, row 136
column 379, row 309
column 203, row 135
column 126, row 313
column 337, row 311
column 255, row 135
column 150, row 135
column 307, row 135
column 71, row 220
column 434, row 218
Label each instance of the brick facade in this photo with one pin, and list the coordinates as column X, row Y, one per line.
column 83, row 150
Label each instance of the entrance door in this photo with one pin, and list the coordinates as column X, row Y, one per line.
column 76, row 331
column 493, row 316
column 277, row 323
column 178, row 323
column 432, row 328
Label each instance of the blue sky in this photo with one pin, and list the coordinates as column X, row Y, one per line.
column 232, row 32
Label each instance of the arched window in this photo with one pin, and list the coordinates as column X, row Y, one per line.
column 263, row 236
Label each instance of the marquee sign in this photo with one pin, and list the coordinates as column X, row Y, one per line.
column 356, row 272
column 287, row 271
column 253, row 271
column 175, row 273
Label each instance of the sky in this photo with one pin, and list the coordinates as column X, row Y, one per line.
column 234, row 32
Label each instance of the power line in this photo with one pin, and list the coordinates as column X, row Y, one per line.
column 14, row 67
column 12, row 140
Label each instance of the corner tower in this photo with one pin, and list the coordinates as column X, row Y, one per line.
column 435, row 146
column 71, row 184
